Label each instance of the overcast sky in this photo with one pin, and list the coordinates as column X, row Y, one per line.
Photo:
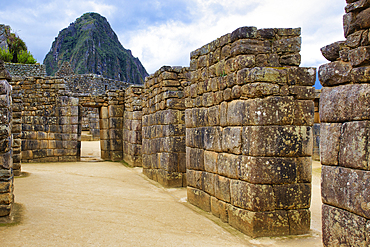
column 164, row 32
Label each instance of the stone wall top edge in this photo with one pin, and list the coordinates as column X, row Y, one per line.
column 249, row 32
column 165, row 68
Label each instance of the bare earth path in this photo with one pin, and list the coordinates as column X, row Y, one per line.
column 108, row 204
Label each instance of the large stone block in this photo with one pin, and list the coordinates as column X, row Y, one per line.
column 292, row 196
column 253, row 197
column 289, row 141
column 259, row 224
column 232, row 140
column 199, row 198
column 346, row 188
column 228, row 165
column 335, row 73
column 219, row 209
column 268, row 170
column 330, row 134
column 345, row 103
column 353, row 150
column 222, row 188
column 343, row 228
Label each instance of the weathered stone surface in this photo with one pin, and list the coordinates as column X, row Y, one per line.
column 287, row 141
column 199, row 199
column 345, row 103
column 299, row 221
column 353, row 149
column 228, row 165
column 232, row 140
column 331, row 52
column 267, row 170
column 262, row 74
column 253, row 197
column 292, row 196
column 334, row 222
column 359, row 56
column 219, row 209
column 334, row 73
column 259, row 224
column 346, row 188
column 222, row 188
column 330, row 134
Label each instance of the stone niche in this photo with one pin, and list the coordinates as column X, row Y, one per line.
column 163, row 119
column 345, row 122
column 249, row 117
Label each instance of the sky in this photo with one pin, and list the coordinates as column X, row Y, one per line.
column 164, row 32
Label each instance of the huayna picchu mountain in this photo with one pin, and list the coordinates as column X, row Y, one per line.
column 91, row 47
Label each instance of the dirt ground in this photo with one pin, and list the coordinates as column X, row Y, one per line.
column 109, row 204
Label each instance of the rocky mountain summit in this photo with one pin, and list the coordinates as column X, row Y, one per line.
column 91, row 46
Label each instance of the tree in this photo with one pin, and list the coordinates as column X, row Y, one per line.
column 18, row 50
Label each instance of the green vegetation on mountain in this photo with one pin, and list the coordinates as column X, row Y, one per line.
column 91, row 46
column 15, row 50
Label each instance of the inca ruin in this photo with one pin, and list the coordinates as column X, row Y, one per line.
column 238, row 129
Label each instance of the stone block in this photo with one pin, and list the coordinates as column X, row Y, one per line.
column 228, row 165
column 210, row 161
column 335, row 73
column 273, row 110
column 250, row 47
column 222, row 188
column 169, row 179
column 209, row 182
column 212, row 138
column 195, row 179
column 299, row 221
column 236, row 112
column 343, row 228
column 287, row 141
column 353, row 149
column 115, row 111
column 331, row 52
column 232, row 140
column 341, row 104
column 194, row 159
column 262, row 74
column 259, row 90
column 304, row 112
column 292, row 196
column 268, row 170
column 346, row 188
column 214, row 116
column 199, row 199
column 359, row 56
column 288, row 45
column 330, row 134
column 304, row 169
column 219, row 209
column 259, row 224
column 253, row 197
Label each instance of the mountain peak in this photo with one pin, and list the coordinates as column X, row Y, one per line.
column 91, row 46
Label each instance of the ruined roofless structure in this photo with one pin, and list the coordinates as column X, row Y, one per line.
column 235, row 128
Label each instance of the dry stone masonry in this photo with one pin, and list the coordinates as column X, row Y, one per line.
column 132, row 126
column 6, row 161
column 163, row 149
column 249, row 140
column 345, row 122
column 25, row 70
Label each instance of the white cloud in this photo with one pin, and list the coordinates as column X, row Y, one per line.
column 172, row 42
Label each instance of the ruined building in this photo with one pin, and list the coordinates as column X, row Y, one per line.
column 238, row 127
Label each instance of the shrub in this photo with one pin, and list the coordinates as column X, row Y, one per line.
column 25, row 57
column 5, row 55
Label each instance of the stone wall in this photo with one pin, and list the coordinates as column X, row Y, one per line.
column 49, row 121
column 26, row 70
column 17, row 105
column 90, row 123
column 4, row 34
column 132, row 125
column 345, row 122
column 93, row 84
column 163, row 123
column 249, row 120
column 111, row 127
column 6, row 161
